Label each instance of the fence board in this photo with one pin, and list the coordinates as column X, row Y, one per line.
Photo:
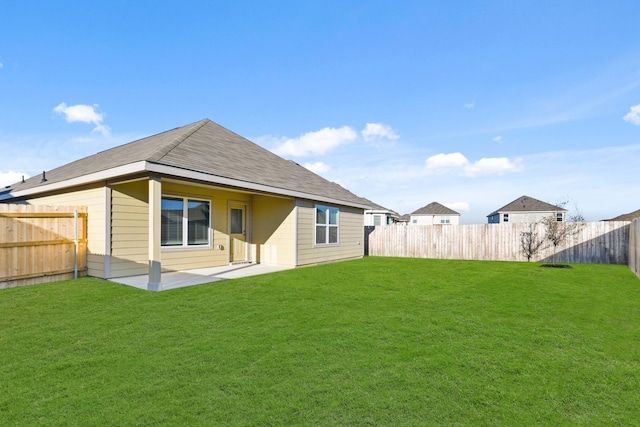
column 605, row 242
column 38, row 242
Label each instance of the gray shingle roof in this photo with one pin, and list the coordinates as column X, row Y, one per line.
column 435, row 208
column 204, row 147
column 528, row 204
column 626, row 217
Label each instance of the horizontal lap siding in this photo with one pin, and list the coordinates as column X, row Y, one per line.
column 129, row 229
column 217, row 255
column 351, row 236
column 274, row 230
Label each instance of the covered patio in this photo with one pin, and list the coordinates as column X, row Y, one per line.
column 181, row 279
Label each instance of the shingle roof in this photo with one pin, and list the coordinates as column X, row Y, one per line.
column 528, row 204
column 377, row 207
column 204, row 147
column 626, row 217
column 435, row 208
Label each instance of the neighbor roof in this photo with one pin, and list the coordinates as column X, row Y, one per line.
column 376, row 207
column 435, row 208
column 528, row 204
column 626, row 217
column 201, row 150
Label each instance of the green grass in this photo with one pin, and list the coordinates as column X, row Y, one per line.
column 377, row 341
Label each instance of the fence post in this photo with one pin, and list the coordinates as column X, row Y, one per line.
column 75, row 243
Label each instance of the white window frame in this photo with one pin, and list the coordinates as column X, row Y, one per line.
column 327, row 224
column 185, row 224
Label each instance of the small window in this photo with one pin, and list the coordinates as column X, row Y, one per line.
column 559, row 217
column 376, row 220
column 185, row 222
column 445, row 220
column 505, row 217
column 326, row 225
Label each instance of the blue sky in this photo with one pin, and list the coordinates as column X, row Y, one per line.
column 469, row 103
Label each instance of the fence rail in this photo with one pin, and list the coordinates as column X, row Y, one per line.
column 41, row 243
column 605, row 242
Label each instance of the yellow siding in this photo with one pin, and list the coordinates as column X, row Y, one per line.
column 94, row 199
column 351, row 237
column 129, row 229
column 274, row 230
column 217, row 255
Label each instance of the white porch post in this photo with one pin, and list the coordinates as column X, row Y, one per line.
column 155, row 267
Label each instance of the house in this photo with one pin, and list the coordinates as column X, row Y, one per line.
column 199, row 196
column 434, row 213
column 526, row 209
column 379, row 215
column 626, row 217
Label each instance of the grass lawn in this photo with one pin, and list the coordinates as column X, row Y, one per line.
column 376, row 341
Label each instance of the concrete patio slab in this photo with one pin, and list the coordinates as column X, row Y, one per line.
column 181, row 279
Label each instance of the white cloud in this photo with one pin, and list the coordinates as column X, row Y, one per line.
column 317, row 167
column 497, row 139
column 633, row 116
column 378, row 131
column 470, row 105
column 1, row 65
column 316, row 143
column 446, row 161
column 485, row 166
column 493, row 166
column 11, row 177
column 84, row 114
column 457, row 206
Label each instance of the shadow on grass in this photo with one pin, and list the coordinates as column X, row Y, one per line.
column 556, row 265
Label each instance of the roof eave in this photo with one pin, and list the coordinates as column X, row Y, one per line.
column 145, row 166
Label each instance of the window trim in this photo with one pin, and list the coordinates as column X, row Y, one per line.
column 185, row 224
column 326, row 224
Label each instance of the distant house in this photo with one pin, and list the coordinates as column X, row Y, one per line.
column 526, row 209
column 199, row 196
column 626, row 217
column 378, row 215
column 434, row 213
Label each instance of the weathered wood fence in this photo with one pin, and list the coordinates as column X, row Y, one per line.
column 41, row 244
column 603, row 242
column 634, row 247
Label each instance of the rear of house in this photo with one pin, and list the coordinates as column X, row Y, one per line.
column 200, row 196
column 526, row 209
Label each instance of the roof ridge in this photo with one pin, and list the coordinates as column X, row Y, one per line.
column 166, row 149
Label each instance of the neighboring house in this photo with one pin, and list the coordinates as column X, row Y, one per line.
column 434, row 213
column 527, row 209
column 626, row 217
column 404, row 219
column 378, row 215
column 199, row 196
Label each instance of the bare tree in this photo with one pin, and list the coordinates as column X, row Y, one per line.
column 530, row 242
column 557, row 232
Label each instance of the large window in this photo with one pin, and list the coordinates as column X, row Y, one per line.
column 326, row 225
column 185, row 222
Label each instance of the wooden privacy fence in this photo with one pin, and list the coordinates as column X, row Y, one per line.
column 634, row 247
column 41, row 244
column 603, row 242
